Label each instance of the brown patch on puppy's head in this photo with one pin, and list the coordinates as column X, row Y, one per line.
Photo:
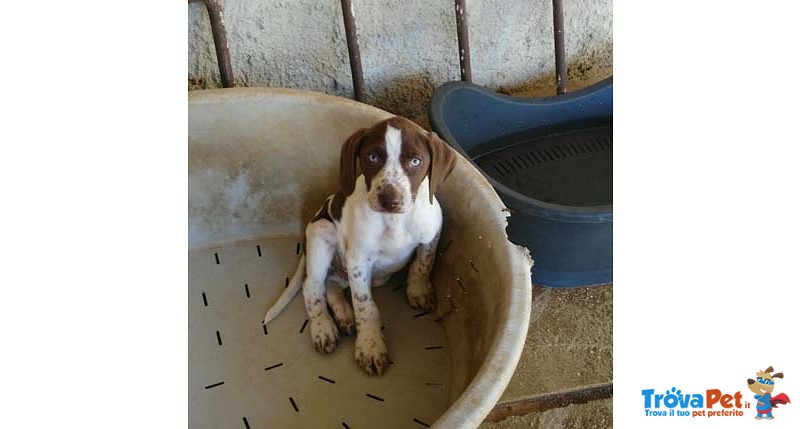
column 443, row 161
column 348, row 169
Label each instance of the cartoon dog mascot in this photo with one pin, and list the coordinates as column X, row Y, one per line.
column 762, row 386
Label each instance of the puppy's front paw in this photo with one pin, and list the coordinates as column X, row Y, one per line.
column 371, row 353
column 324, row 334
column 420, row 295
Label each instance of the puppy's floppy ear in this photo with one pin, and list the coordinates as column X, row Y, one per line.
column 768, row 369
column 348, row 167
column 777, row 375
column 443, row 160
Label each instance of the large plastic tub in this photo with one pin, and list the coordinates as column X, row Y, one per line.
column 260, row 163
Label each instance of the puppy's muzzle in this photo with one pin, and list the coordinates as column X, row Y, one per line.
column 390, row 199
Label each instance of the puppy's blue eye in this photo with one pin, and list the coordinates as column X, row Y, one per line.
column 373, row 157
column 415, row 162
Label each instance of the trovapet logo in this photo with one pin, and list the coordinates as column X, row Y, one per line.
column 716, row 403
column 675, row 403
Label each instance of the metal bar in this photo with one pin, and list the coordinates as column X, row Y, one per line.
column 353, row 50
column 220, row 42
column 558, row 36
column 463, row 41
column 548, row 401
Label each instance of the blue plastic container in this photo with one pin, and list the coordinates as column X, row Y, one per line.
column 550, row 160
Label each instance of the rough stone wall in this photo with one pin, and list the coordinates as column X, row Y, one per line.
column 408, row 47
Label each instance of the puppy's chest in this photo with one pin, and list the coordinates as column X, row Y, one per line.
column 395, row 240
column 391, row 259
column 390, row 247
column 387, row 247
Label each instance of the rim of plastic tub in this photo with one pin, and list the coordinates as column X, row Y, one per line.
column 488, row 384
column 590, row 214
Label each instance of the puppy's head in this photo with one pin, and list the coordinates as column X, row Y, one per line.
column 395, row 157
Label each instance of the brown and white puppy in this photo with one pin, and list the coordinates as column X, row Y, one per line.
column 384, row 215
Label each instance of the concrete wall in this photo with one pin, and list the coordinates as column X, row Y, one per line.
column 408, row 47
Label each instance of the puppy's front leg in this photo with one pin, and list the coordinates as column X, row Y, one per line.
column 371, row 353
column 420, row 291
column 320, row 241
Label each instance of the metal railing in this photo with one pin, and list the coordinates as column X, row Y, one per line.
column 214, row 8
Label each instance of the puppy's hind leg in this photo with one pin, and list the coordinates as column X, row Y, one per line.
column 342, row 310
column 320, row 245
column 420, row 292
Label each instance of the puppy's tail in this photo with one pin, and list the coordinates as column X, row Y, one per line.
column 289, row 292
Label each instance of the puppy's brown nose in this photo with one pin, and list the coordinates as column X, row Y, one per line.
column 750, row 381
column 389, row 198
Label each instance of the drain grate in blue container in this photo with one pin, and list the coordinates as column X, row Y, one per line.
column 572, row 168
